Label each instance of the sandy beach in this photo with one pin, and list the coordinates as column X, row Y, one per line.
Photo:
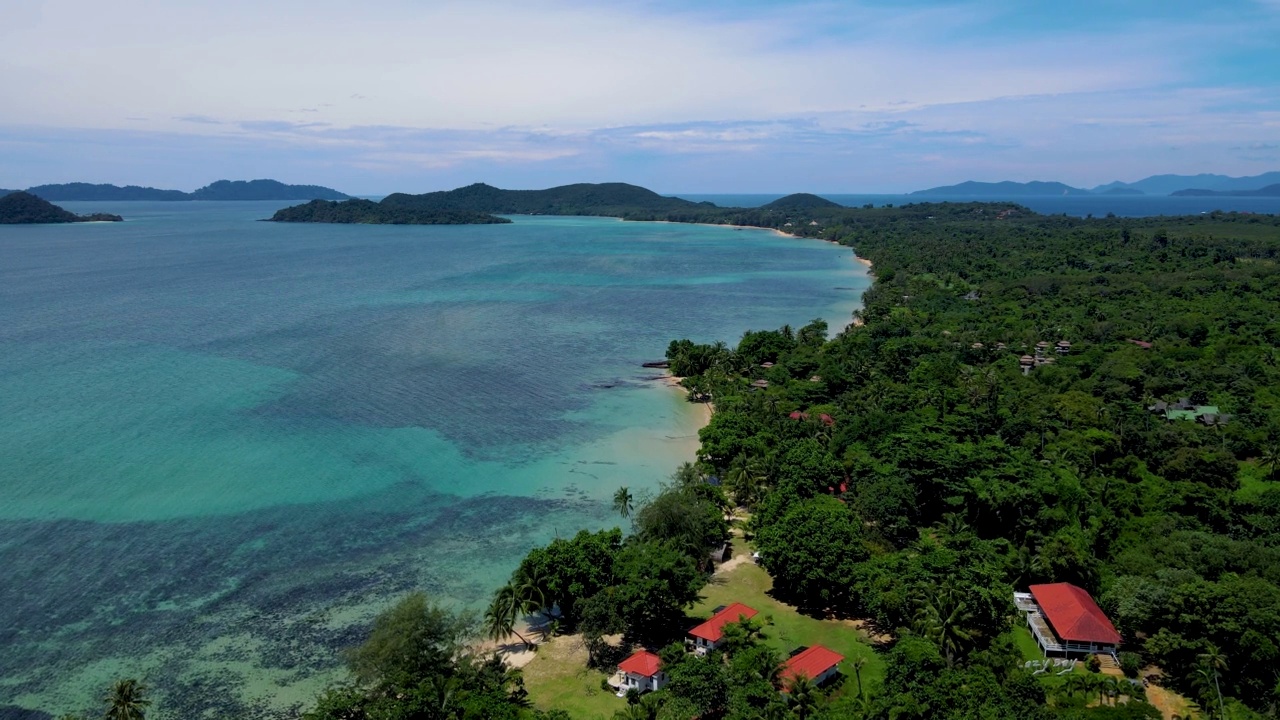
column 704, row 409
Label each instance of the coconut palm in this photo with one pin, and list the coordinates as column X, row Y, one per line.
column 857, row 664
column 942, row 619
column 1214, row 661
column 1270, row 460
column 127, row 700
column 623, row 503
column 510, row 603
column 803, row 695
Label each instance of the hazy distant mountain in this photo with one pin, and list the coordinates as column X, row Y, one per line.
column 4, row 192
column 1268, row 191
column 264, row 190
column 1003, row 189
column 800, row 201
column 220, row 190
column 1121, row 191
column 21, row 208
column 1171, row 184
column 62, row 192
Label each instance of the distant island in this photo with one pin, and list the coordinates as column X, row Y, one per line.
column 1177, row 185
column 220, row 190
column 23, row 208
column 367, row 212
column 1003, row 189
column 480, row 203
column 1268, row 191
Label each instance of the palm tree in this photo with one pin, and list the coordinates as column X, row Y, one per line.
column 508, row 606
column 941, row 619
column 623, row 502
column 803, row 695
column 1077, row 685
column 1214, row 661
column 1271, row 458
column 646, row 709
column 857, row 665
column 127, row 700
column 442, row 692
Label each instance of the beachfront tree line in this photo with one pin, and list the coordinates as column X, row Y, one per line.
column 915, row 471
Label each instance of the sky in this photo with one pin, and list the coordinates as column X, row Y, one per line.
column 762, row 96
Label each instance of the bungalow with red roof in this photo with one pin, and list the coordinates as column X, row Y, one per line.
column 641, row 672
column 709, row 635
column 1065, row 619
column 816, row 662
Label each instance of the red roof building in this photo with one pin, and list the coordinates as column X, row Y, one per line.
column 815, row 662
column 1073, row 614
column 641, row 672
column 642, row 663
column 708, row 635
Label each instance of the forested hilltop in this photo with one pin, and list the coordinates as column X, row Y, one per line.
column 20, row 208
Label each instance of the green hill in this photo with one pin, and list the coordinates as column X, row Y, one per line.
column 801, row 201
column 367, row 212
column 478, row 203
column 23, row 208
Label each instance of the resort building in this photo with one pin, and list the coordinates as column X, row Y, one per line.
column 816, row 662
column 641, row 672
column 709, row 635
column 1066, row 621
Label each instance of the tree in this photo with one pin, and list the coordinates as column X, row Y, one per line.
column 942, row 619
column 127, row 700
column 571, row 570
column 811, row 551
column 1214, row 662
column 510, row 604
column 414, row 640
column 700, row 680
column 655, row 585
column 857, row 664
column 622, row 502
column 803, row 697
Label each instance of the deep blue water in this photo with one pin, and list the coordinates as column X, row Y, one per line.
column 1078, row 205
column 228, row 443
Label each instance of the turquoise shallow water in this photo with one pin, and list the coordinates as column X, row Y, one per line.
column 227, row 443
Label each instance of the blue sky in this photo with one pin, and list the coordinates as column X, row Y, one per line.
column 718, row 96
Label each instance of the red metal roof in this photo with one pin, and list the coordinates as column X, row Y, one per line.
column 713, row 629
column 811, row 663
column 1074, row 615
column 642, row 663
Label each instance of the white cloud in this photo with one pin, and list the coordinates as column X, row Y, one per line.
column 492, row 62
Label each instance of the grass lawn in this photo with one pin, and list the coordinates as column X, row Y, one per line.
column 1026, row 643
column 749, row 584
column 558, row 677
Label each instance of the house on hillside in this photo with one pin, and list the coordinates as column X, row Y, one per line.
column 709, row 635
column 1066, row 621
column 815, row 662
column 642, row 672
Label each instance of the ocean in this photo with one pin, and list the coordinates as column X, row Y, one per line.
column 227, row 444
